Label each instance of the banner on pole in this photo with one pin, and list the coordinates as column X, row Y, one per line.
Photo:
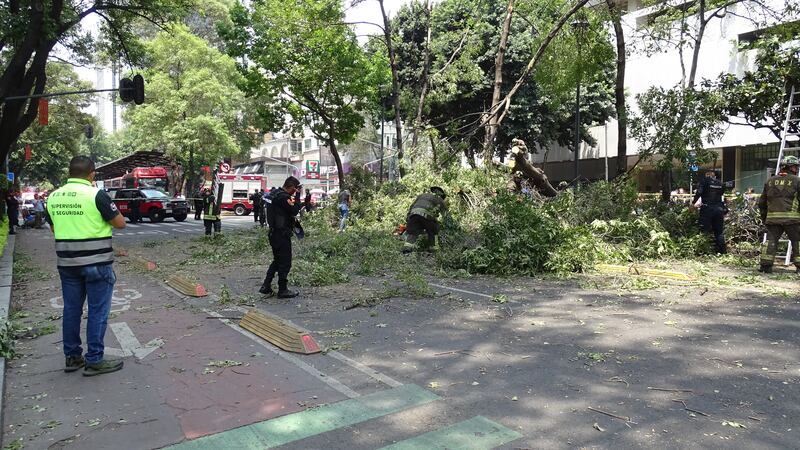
column 43, row 111
column 28, row 152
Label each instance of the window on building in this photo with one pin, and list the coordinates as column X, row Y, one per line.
column 307, row 144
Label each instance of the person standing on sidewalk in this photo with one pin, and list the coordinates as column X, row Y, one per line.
column 210, row 217
column 780, row 211
column 38, row 210
column 12, row 209
column 255, row 199
column 281, row 215
column 81, row 217
column 713, row 208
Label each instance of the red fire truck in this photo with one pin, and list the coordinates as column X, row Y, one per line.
column 237, row 192
column 140, row 177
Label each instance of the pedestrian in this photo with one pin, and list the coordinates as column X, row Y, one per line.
column 780, row 212
column 711, row 193
column 281, row 217
column 38, row 210
column 255, row 199
column 134, row 206
column 81, row 217
column 12, row 209
column 211, row 217
column 307, row 205
column 424, row 216
column 198, row 204
column 345, row 200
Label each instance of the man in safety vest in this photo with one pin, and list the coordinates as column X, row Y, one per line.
column 81, row 217
column 780, row 211
column 210, row 216
column 424, row 216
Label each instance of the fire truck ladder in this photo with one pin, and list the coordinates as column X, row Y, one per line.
column 792, row 120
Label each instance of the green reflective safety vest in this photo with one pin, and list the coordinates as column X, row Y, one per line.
column 83, row 238
column 780, row 201
column 208, row 208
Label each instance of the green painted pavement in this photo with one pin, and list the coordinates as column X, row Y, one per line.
column 478, row 433
column 293, row 427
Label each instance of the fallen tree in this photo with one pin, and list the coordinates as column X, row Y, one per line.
column 522, row 168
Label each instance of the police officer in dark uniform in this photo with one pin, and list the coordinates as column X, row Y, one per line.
column 285, row 205
column 255, row 199
column 198, row 205
column 713, row 209
column 780, row 211
column 135, row 205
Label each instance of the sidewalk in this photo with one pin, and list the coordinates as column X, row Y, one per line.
column 179, row 380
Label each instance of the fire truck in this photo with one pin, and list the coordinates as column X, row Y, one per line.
column 140, row 177
column 237, row 192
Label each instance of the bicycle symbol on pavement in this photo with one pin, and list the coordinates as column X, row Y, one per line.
column 120, row 300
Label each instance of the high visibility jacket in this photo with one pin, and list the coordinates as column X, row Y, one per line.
column 208, row 208
column 83, row 237
column 780, row 200
column 429, row 206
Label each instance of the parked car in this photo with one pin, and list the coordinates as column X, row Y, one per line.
column 154, row 204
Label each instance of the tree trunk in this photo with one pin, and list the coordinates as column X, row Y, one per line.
column 494, row 119
column 398, row 120
column 528, row 171
column 619, row 90
column 331, row 139
column 506, row 102
column 423, row 79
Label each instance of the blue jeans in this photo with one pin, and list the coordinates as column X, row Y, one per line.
column 77, row 284
column 344, row 211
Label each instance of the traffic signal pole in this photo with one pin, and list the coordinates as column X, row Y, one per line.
column 55, row 94
column 129, row 90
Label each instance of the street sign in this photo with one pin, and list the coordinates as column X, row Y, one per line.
column 693, row 167
column 224, row 167
column 10, row 176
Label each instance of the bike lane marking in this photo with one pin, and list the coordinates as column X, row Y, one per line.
column 477, row 433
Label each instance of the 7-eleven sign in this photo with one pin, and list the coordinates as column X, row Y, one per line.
column 312, row 168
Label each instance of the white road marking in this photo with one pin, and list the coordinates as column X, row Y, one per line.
column 330, row 381
column 372, row 373
column 130, row 345
column 463, row 291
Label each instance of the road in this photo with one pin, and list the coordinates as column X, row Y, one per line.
column 555, row 364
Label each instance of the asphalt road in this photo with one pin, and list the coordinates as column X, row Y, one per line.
column 556, row 364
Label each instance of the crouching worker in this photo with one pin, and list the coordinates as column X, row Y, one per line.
column 423, row 216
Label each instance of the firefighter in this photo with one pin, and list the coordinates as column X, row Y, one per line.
column 256, row 200
column 281, row 216
column 210, row 217
column 713, row 208
column 424, row 216
column 780, row 212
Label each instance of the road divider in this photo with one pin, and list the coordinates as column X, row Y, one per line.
column 186, row 286
column 279, row 333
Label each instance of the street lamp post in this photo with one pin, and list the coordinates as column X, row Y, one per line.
column 579, row 26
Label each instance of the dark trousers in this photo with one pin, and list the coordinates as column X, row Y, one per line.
column 134, row 215
column 281, row 243
column 217, row 224
column 415, row 226
column 262, row 219
column 770, row 248
column 712, row 220
column 256, row 212
column 198, row 208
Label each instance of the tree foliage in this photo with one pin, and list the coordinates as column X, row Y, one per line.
column 194, row 109
column 308, row 62
column 465, row 36
column 30, row 30
column 54, row 144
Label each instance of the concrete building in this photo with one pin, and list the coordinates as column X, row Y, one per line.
column 745, row 154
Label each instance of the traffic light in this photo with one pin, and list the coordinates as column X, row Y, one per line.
column 132, row 90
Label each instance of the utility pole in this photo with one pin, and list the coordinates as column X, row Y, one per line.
column 579, row 26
